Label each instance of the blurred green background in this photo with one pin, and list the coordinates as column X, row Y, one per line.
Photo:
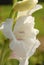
column 38, row 57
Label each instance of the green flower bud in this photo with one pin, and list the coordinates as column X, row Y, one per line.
column 25, row 5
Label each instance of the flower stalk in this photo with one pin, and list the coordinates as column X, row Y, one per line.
column 13, row 12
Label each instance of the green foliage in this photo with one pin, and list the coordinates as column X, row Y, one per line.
column 5, row 53
column 37, row 58
column 19, row 0
column 12, row 62
column 41, row 0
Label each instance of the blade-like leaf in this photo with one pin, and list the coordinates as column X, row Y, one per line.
column 5, row 53
column 12, row 62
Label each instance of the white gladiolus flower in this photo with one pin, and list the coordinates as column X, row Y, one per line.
column 24, row 31
column 24, row 26
column 23, row 40
column 25, row 35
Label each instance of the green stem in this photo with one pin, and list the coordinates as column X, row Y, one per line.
column 13, row 15
column 12, row 11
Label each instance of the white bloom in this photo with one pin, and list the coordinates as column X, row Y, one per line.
column 24, row 31
column 25, row 35
column 24, row 42
column 24, row 28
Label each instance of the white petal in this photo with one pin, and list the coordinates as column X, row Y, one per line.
column 33, row 49
column 7, row 28
column 22, row 62
column 22, row 13
column 37, row 7
column 22, row 21
column 29, row 42
column 19, row 23
column 36, row 1
column 30, row 53
column 35, row 32
column 18, row 48
column 1, row 28
column 24, row 24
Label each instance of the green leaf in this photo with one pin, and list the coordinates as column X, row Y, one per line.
column 19, row 0
column 5, row 53
column 12, row 62
column 13, row 13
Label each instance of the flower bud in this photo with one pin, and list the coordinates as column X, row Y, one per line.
column 25, row 5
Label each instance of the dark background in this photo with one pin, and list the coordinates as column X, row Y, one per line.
column 10, row 2
column 6, row 2
column 41, row 0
